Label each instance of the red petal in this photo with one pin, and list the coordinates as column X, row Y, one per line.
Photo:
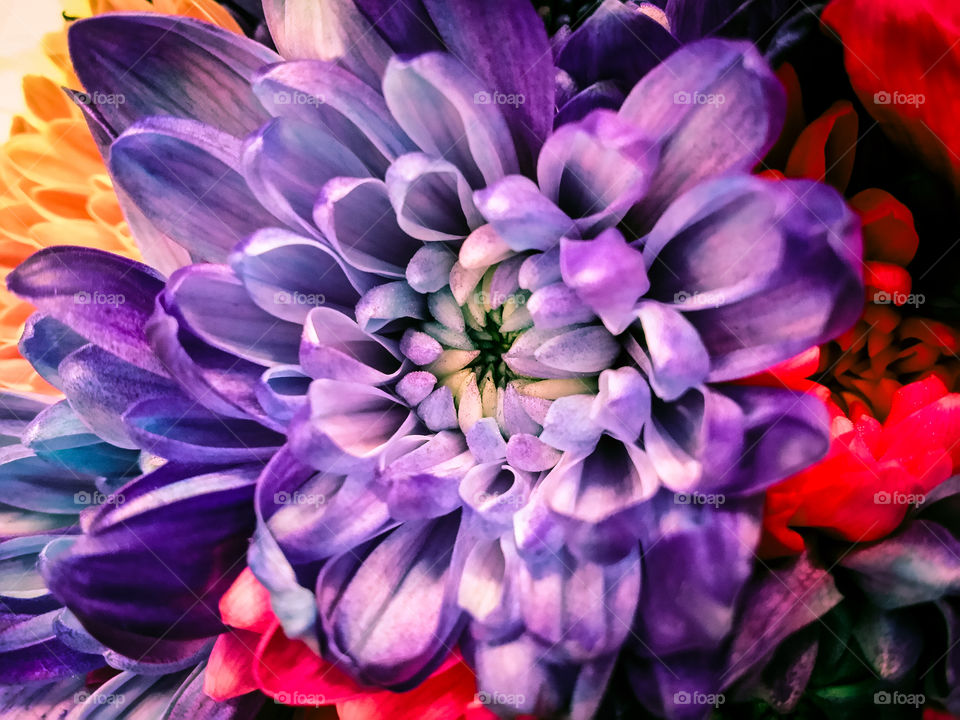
column 246, row 604
column 229, row 670
column 825, row 149
column 888, row 231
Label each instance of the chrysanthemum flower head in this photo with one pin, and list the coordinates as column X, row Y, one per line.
column 484, row 344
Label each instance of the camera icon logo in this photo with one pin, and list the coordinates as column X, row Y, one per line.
column 882, row 98
column 481, row 97
column 681, row 698
column 81, row 298
column 681, row 98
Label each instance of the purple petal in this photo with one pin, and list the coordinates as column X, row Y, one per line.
column 213, row 303
column 288, row 275
column 435, row 99
column 146, row 578
column 102, row 297
column 431, row 198
column 506, row 46
column 357, row 219
column 334, row 347
column 607, row 274
column 716, row 107
column 185, row 179
column 687, row 606
column 581, row 609
column 763, row 283
column 328, row 30
column 162, row 65
column 771, row 612
column 673, row 356
column 180, row 429
column 286, row 164
column 388, row 612
column 330, row 97
column 617, row 42
column 101, row 387
column 522, row 216
column 347, row 425
column 596, row 169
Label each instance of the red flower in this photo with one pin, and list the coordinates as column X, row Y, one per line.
column 903, row 59
column 256, row 655
column 874, row 471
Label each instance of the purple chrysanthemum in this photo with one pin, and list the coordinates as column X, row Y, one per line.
column 481, row 324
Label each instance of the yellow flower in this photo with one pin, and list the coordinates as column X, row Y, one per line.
column 54, row 188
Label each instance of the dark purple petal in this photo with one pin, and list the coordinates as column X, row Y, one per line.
column 505, row 45
column 212, row 302
column 102, row 297
column 762, row 269
column 30, row 652
column 101, row 387
column 715, row 106
column 334, row 347
column 778, row 603
column 914, row 566
column 599, row 96
column 356, row 217
column 619, row 42
column 328, row 96
column 388, row 609
column 288, row 275
column 218, row 380
column 185, row 178
column 146, row 577
column 162, row 65
column 183, row 430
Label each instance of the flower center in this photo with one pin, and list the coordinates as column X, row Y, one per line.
column 492, row 342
